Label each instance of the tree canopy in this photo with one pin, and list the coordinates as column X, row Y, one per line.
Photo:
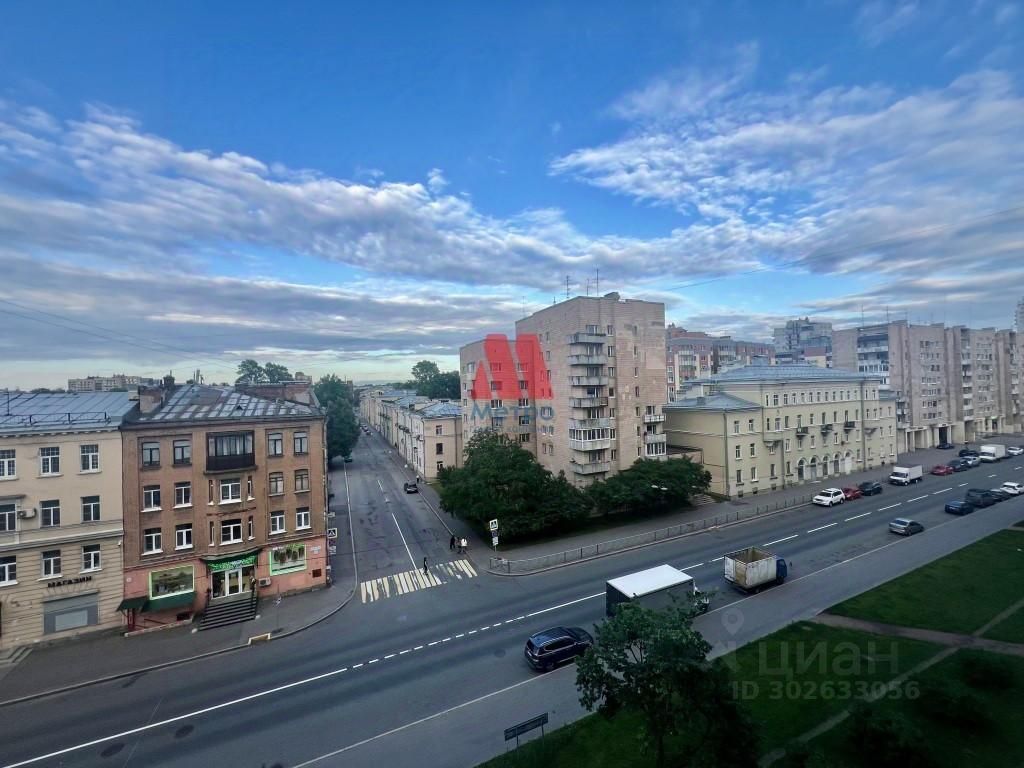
column 276, row 373
column 654, row 663
column 649, row 485
column 338, row 400
column 429, row 381
column 250, row 372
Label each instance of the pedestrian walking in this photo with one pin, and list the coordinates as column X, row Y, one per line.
column 425, row 572
column 451, row 543
column 462, row 546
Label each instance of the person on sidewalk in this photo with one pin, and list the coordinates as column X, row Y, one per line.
column 451, row 543
column 463, row 544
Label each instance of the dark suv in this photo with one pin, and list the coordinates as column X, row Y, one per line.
column 870, row 488
column 546, row 650
column 411, row 488
column 977, row 497
column 965, row 452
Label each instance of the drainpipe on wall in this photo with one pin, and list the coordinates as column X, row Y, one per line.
column 725, row 450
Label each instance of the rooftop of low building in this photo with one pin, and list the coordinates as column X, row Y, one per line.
column 202, row 402
column 27, row 412
column 716, row 402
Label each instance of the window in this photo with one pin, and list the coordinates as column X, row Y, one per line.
column 90, row 456
column 440, row 466
column 786, row 447
column 183, row 536
column 636, row 372
column 753, row 450
column 775, row 400
column 151, row 454
column 230, row 490
column 439, row 449
column 302, row 518
column 301, row 443
column 737, row 452
column 7, row 464
column 636, row 391
column 8, row 570
column 439, row 429
column 524, row 437
column 778, row 423
column 750, row 425
column 50, row 513
column 739, row 477
column 771, row 471
column 275, row 444
column 736, row 427
column 49, row 461
column 785, row 399
column 248, row 487
column 753, row 474
column 276, row 483
column 182, row 452
column 91, row 557
column 786, row 421
column 812, row 441
column 152, row 541
column 771, row 449
column 250, row 529
column 230, row 531
column 277, row 522
column 183, row 494
column 51, row 563
column 151, row 497
column 8, row 517
column 90, row 509
column 301, row 480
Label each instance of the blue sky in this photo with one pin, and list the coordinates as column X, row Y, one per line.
column 351, row 189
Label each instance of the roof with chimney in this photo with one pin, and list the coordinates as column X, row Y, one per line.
column 201, row 402
column 49, row 413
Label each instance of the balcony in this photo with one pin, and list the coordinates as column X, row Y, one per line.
column 801, row 431
column 591, row 468
column 584, row 337
column 654, row 418
column 590, row 423
column 588, row 381
column 228, row 463
column 600, row 444
column 588, row 402
column 652, row 438
column 826, row 428
column 848, row 425
column 588, row 359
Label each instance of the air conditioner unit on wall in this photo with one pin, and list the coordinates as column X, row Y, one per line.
column 265, row 581
column 26, row 514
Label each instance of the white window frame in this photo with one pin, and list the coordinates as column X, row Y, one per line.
column 276, row 476
column 92, row 558
column 47, row 567
column 9, row 516
column 54, row 512
column 230, row 525
column 277, row 523
column 92, row 507
column 148, row 451
column 89, row 459
column 8, row 570
column 275, row 440
column 8, row 464
column 226, row 485
column 151, row 493
column 302, row 519
column 152, row 536
column 49, row 463
column 183, row 532
column 183, row 494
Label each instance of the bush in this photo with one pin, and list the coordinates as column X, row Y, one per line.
column 890, row 739
column 948, row 703
column 987, row 672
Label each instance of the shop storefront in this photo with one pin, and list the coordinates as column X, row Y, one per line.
column 232, row 575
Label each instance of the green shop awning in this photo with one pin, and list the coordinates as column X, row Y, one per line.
column 171, row 601
column 132, row 603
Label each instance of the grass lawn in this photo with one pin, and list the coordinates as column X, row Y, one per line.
column 1010, row 629
column 958, row 720
column 959, row 593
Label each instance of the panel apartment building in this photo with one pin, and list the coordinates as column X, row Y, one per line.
column 804, row 340
column 60, row 514
column 694, row 354
column 224, row 487
column 760, row 428
column 581, row 386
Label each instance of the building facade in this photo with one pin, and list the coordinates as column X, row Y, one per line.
column 694, row 354
column 118, row 382
column 760, row 428
column 581, row 386
column 221, row 487
column 793, row 340
column 60, row 515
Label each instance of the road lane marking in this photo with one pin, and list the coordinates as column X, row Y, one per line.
column 380, row 485
column 962, row 485
column 777, row 541
column 718, row 558
column 398, row 584
column 691, row 567
column 471, row 632
column 357, row 666
column 992, row 475
column 891, row 506
column 862, row 514
column 418, row 648
column 400, row 653
column 403, row 538
column 373, row 661
column 917, row 498
column 944, row 490
column 1018, row 467
column 822, row 527
column 390, row 656
column 432, row 643
column 564, row 605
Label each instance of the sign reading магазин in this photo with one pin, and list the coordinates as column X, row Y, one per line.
column 66, row 582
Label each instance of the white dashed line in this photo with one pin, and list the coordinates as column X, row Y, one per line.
column 373, row 661
column 1018, row 467
column 432, row 643
column 991, row 475
column 564, row 605
column 777, row 541
column 718, row 558
column 510, row 621
column 944, row 490
column 891, row 506
column 691, row 567
column 520, row 618
column 862, row 514
column 962, row 485
column 446, row 640
column 484, row 629
column 418, row 648
column 471, row 632
column 460, row 635
column 407, row 650
column 917, row 498
column 390, row 656
column 357, row 666
column 822, row 527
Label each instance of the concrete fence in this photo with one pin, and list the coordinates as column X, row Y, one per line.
column 590, row 551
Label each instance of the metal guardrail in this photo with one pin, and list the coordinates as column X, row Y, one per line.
column 535, row 564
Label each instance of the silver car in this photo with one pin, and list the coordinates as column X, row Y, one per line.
column 904, row 527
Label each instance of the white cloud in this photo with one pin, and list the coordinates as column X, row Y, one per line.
column 880, row 20
column 436, row 182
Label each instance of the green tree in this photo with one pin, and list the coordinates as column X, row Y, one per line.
column 250, row 372
column 276, row 373
column 654, row 663
column 649, row 485
column 500, row 480
column 423, row 372
column 330, row 388
column 338, row 400
column 443, row 386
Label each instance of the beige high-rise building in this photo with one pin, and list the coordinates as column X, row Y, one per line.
column 581, row 386
column 1008, row 371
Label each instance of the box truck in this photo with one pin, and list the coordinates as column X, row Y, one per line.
column 905, row 475
column 752, row 568
column 992, row 452
column 655, row 588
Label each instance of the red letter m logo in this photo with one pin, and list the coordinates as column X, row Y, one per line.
column 512, row 376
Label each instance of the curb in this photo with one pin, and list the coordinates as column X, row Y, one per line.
column 642, row 546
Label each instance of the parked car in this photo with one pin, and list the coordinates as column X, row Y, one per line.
column 347, row 459
column 959, row 507
column 1014, row 450
column 546, row 650
column 1000, row 494
column 942, row 469
column 958, row 465
column 979, row 497
column 870, row 488
column 1014, row 489
column 411, row 488
column 905, row 527
column 852, row 493
column 829, row 497
column 945, row 446
column 972, row 461
column 967, row 452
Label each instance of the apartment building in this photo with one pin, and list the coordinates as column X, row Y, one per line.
column 221, row 487
column 581, row 387
column 694, row 354
column 117, row 383
column 796, row 337
column 975, row 390
column 377, row 407
column 1008, row 372
column 760, row 428
column 60, row 514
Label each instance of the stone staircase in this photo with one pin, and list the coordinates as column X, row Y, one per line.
column 225, row 612
column 11, row 657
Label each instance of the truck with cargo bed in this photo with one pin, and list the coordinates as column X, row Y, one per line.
column 655, row 588
column 905, row 475
column 754, row 568
column 992, row 452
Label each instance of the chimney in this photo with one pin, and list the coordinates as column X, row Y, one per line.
column 150, row 398
column 168, row 381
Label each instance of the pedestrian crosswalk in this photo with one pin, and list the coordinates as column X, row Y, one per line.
column 415, row 580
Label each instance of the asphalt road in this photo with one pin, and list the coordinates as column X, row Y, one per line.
column 432, row 676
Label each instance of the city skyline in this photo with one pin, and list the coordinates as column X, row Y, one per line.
column 414, row 182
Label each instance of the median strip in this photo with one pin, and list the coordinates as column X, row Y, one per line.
column 777, row 541
column 822, row 527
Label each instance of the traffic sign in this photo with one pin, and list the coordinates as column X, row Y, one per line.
column 332, row 550
column 494, row 541
column 332, row 533
column 493, row 525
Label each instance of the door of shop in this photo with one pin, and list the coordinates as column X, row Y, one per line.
column 228, row 583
